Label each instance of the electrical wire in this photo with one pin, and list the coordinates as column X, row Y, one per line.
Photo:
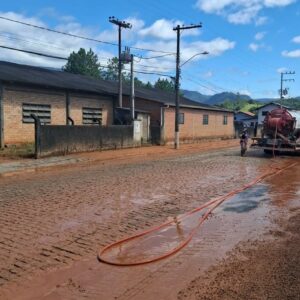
column 79, row 36
column 158, row 56
column 33, row 52
column 16, row 37
column 65, row 58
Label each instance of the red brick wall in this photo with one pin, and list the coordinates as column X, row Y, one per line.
column 77, row 102
column 154, row 108
column 193, row 127
column 15, row 131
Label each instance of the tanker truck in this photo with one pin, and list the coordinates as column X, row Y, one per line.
column 280, row 133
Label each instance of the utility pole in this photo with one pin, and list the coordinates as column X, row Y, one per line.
column 132, row 102
column 282, row 91
column 178, row 30
column 120, row 24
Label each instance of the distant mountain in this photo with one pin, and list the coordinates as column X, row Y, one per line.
column 267, row 100
column 196, row 96
column 215, row 99
column 227, row 96
column 220, row 98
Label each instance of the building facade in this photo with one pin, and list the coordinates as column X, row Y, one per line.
column 51, row 107
column 60, row 98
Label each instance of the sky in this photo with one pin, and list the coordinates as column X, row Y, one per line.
column 249, row 41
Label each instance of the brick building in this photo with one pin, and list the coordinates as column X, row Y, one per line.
column 60, row 98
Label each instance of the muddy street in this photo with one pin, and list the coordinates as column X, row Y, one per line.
column 53, row 223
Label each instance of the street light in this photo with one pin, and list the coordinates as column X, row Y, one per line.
column 202, row 53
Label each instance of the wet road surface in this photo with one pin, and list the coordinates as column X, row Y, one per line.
column 53, row 223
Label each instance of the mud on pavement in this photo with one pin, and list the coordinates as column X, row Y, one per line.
column 53, row 223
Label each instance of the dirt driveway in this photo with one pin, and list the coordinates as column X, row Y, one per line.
column 54, row 222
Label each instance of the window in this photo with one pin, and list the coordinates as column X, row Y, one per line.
column 181, row 118
column 205, row 120
column 225, row 120
column 91, row 116
column 42, row 111
column 264, row 113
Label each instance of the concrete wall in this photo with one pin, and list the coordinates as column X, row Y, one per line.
column 57, row 139
column 15, row 131
column 193, row 128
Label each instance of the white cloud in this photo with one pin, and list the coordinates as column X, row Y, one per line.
column 272, row 3
column 240, row 11
column 291, row 54
column 260, row 35
column 254, row 47
column 296, row 39
column 33, row 39
column 208, row 74
column 261, row 21
column 111, row 35
column 163, row 29
column 281, row 70
column 245, row 92
column 244, row 16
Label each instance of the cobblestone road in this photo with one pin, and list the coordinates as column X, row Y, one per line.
column 51, row 219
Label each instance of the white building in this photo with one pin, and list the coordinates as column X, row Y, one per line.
column 263, row 111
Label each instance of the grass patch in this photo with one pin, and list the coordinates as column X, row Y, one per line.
column 18, row 151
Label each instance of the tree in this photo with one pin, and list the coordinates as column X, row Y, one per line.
column 148, row 85
column 112, row 71
column 84, row 63
column 138, row 83
column 165, row 85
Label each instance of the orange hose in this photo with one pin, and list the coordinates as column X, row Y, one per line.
column 214, row 203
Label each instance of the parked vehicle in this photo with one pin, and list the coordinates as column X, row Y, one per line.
column 281, row 132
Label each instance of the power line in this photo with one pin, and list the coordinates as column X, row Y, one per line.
column 33, row 52
column 158, row 56
column 79, row 36
column 202, row 85
column 65, row 58
column 152, row 73
column 57, row 31
column 156, row 67
column 17, row 37
column 107, row 67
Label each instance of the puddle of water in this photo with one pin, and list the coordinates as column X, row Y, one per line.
column 166, row 239
column 247, row 200
column 154, row 244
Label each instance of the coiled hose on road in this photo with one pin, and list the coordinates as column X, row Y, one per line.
column 108, row 254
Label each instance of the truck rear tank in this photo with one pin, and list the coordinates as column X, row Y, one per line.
column 281, row 131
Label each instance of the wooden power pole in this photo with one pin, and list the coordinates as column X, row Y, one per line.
column 178, row 30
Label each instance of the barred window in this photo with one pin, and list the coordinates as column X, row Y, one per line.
column 205, row 120
column 265, row 112
column 181, row 118
column 91, row 116
column 225, row 120
column 42, row 111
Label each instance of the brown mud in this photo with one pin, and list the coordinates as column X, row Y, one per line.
column 54, row 222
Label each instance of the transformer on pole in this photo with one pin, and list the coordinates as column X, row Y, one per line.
column 120, row 24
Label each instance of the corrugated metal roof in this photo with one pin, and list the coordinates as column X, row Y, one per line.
column 25, row 74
